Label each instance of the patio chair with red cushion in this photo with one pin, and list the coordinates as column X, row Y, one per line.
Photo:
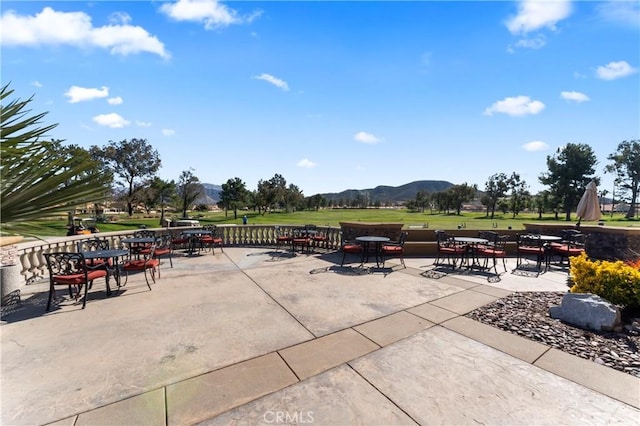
column 70, row 269
column 282, row 238
column 148, row 262
column 573, row 244
column 301, row 238
column 211, row 240
column 531, row 245
column 394, row 249
column 91, row 245
column 495, row 249
column 164, row 248
column 448, row 249
column 350, row 247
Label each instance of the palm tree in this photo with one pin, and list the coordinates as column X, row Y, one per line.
column 35, row 180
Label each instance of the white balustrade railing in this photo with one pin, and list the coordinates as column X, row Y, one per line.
column 33, row 265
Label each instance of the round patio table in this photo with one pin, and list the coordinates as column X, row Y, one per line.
column 472, row 243
column 366, row 241
column 113, row 270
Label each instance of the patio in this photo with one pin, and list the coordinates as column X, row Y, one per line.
column 257, row 336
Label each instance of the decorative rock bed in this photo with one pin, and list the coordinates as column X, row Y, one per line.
column 527, row 314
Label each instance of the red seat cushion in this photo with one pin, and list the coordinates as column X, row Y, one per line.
column 352, row 248
column 77, row 279
column 573, row 251
column 531, row 250
column 162, row 251
column 490, row 252
column 136, row 265
column 392, row 249
column 452, row 250
column 179, row 241
column 211, row 240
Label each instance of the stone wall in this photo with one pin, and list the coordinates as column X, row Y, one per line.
column 351, row 230
column 603, row 242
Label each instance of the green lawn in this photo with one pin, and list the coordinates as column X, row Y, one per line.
column 332, row 217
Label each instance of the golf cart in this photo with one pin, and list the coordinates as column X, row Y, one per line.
column 82, row 226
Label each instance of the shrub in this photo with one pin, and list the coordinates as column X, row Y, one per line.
column 618, row 282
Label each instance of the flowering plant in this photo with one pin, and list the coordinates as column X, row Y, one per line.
column 618, row 282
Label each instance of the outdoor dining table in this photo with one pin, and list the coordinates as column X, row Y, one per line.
column 137, row 243
column 472, row 243
column 113, row 269
column 366, row 241
column 194, row 235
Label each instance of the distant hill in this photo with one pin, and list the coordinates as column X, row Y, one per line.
column 380, row 193
column 384, row 193
column 211, row 194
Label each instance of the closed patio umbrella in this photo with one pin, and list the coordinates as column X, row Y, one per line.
column 589, row 206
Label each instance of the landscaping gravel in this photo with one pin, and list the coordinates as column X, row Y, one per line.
column 527, row 314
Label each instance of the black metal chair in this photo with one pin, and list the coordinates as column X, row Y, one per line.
column 394, row 249
column 532, row 246
column 573, row 244
column 350, row 247
column 495, row 249
column 448, row 248
column 70, row 269
column 282, row 238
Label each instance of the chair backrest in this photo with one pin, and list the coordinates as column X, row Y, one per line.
column 211, row 228
column 144, row 233
column 64, row 263
column 500, row 242
column 529, row 240
column 403, row 237
column 164, row 241
column 92, row 245
column 490, row 236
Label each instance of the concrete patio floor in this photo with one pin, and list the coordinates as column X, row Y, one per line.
column 255, row 336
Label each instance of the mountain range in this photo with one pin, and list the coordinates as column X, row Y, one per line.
column 382, row 193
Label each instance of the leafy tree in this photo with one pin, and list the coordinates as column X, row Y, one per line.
column 133, row 162
column 570, row 170
column 294, row 199
column 36, row 181
column 189, row 189
column 494, row 189
column 625, row 163
column 460, row 194
column 519, row 193
column 234, row 195
column 157, row 193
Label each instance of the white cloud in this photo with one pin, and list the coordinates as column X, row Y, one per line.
column 535, row 14
column 614, row 70
column 211, row 13
column 623, row 12
column 574, row 96
column 143, row 123
column 50, row 27
column 273, row 80
column 306, row 163
column 537, row 42
column 80, row 94
column 515, row 106
column 36, row 83
column 115, row 100
column 365, row 137
column 120, row 18
column 535, row 146
column 168, row 132
column 113, row 120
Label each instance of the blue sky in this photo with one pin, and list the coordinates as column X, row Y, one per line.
column 333, row 95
